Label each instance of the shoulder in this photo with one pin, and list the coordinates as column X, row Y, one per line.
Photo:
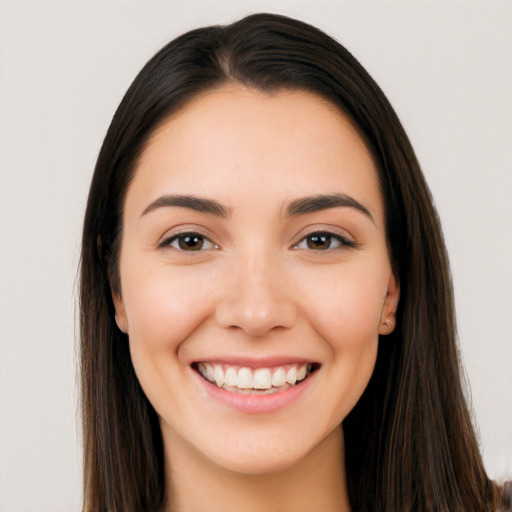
column 503, row 497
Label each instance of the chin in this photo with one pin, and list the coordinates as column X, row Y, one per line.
column 263, row 463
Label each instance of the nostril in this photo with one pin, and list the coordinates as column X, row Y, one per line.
column 256, row 317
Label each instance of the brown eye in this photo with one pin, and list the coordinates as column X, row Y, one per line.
column 190, row 242
column 324, row 241
column 319, row 242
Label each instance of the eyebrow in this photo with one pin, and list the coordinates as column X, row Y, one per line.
column 320, row 202
column 196, row 203
column 300, row 206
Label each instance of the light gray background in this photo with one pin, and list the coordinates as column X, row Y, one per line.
column 447, row 69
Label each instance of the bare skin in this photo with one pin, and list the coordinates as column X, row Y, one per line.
column 254, row 241
column 316, row 483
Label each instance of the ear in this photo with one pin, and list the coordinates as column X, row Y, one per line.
column 121, row 320
column 388, row 313
column 113, row 281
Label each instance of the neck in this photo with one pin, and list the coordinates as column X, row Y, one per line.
column 317, row 482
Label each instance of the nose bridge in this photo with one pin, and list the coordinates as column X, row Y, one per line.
column 257, row 298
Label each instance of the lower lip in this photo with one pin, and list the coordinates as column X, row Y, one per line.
column 256, row 403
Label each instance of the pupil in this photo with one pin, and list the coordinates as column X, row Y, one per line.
column 319, row 242
column 190, row 242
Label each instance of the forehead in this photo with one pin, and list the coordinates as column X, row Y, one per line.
column 238, row 144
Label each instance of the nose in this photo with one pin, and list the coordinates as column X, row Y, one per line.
column 257, row 297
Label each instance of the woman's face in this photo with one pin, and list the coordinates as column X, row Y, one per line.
column 255, row 277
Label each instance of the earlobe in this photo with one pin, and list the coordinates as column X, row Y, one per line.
column 120, row 316
column 388, row 314
column 117, row 299
column 388, row 324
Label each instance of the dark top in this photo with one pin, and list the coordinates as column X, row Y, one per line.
column 503, row 498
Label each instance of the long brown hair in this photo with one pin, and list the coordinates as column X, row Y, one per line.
column 410, row 443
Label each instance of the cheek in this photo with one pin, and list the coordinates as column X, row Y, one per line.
column 345, row 310
column 162, row 305
column 162, row 310
column 345, row 306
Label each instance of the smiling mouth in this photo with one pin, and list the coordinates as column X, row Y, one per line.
column 245, row 380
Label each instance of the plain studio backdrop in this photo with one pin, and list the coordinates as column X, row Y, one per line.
column 446, row 68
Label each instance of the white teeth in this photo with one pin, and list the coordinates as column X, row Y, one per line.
column 244, row 378
column 218, row 375
column 208, row 372
column 230, row 377
column 291, row 375
column 262, row 379
column 279, row 378
column 302, row 372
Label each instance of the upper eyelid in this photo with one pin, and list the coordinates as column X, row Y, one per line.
column 334, row 231
column 176, row 231
column 167, row 242
column 324, row 229
column 345, row 240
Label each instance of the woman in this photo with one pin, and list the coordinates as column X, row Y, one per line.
column 262, row 263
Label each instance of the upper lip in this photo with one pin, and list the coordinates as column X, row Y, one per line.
column 255, row 362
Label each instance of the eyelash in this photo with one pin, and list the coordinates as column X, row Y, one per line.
column 176, row 241
column 182, row 237
column 341, row 241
